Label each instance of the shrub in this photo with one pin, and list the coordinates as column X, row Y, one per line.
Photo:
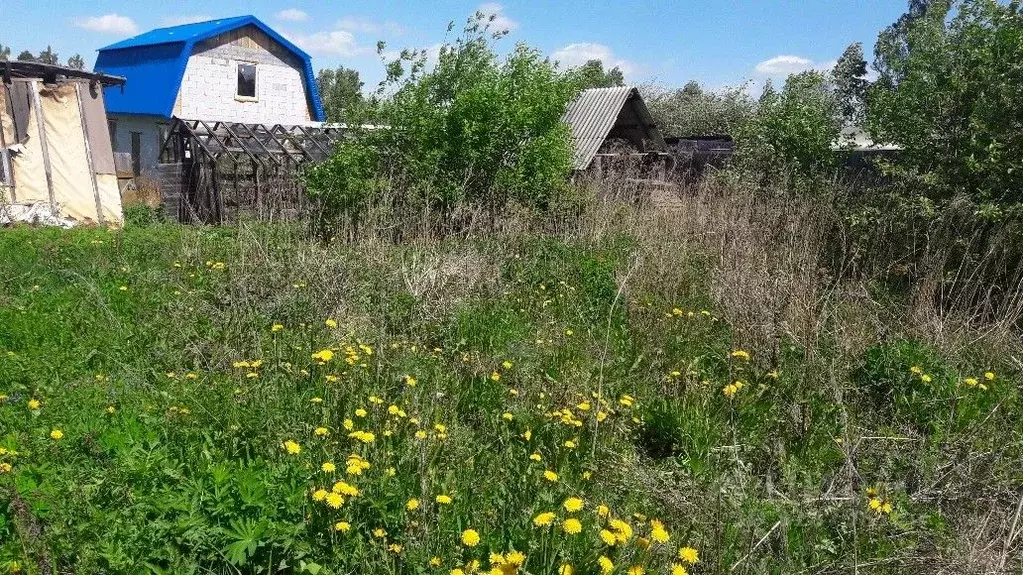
column 473, row 131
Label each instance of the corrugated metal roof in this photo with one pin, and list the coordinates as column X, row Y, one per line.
column 594, row 113
column 154, row 64
column 590, row 118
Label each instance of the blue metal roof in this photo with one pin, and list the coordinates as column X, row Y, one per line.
column 154, row 64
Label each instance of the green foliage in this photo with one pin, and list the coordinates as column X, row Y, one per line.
column 793, row 131
column 472, row 131
column 949, row 95
column 593, row 75
column 850, row 80
column 691, row 110
column 76, row 62
column 5, row 52
column 341, row 93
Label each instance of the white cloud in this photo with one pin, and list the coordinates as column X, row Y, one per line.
column 364, row 25
column 786, row 64
column 108, row 24
column 579, row 53
column 500, row 20
column 292, row 15
column 329, row 42
column 185, row 19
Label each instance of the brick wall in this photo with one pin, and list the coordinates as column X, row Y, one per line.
column 210, row 83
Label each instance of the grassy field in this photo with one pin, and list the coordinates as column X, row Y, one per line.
column 240, row 400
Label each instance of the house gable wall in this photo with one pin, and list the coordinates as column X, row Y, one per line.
column 209, row 86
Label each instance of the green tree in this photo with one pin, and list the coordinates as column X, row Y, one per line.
column 792, row 131
column 76, row 62
column 5, row 52
column 341, row 92
column 473, row 130
column 949, row 94
column 593, row 75
column 26, row 56
column 850, row 79
column 693, row 111
column 48, row 56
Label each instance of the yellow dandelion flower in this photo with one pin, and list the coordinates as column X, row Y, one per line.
column 329, row 322
column 319, row 495
column 348, row 424
column 677, row 569
column 334, row 500
column 323, row 356
column 507, row 416
column 345, row 489
column 56, row 435
column 572, row 526
column 659, row 535
column 637, row 570
column 410, row 381
column 916, row 370
column 971, row 381
column 496, row 559
column 925, row 378
column 379, row 533
column 5, row 467
column 740, row 354
column 342, row 526
column 276, row 328
column 360, row 412
column 421, row 434
column 989, row 375
column 550, row 476
column 316, row 400
column 875, row 504
column 435, row 561
column 565, row 569
column 603, row 511
column 457, row 571
column 321, row 431
column 543, row 519
column 538, row 457
column 608, row 537
column 111, row 409
column 394, row 548
column 506, row 364
column 470, row 538
column 327, row 467
column 573, row 504
column 886, row 508
column 689, row 555
column 443, row 499
column 606, row 565
column 515, row 558
column 494, row 376
column 642, row 542
column 412, row 504
column 571, row 444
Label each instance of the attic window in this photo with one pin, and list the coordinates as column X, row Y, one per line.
column 246, row 81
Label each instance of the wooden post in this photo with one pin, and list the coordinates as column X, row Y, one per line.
column 88, row 156
column 34, row 89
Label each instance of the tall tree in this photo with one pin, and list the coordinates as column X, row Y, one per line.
column 341, row 92
column 48, row 56
column 950, row 96
column 592, row 75
column 892, row 46
column 26, row 56
column 5, row 52
column 850, row 78
column 76, row 62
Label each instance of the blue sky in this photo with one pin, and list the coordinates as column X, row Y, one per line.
column 716, row 42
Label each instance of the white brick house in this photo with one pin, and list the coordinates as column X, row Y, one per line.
column 232, row 69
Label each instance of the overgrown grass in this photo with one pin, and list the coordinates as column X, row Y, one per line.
column 178, row 363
